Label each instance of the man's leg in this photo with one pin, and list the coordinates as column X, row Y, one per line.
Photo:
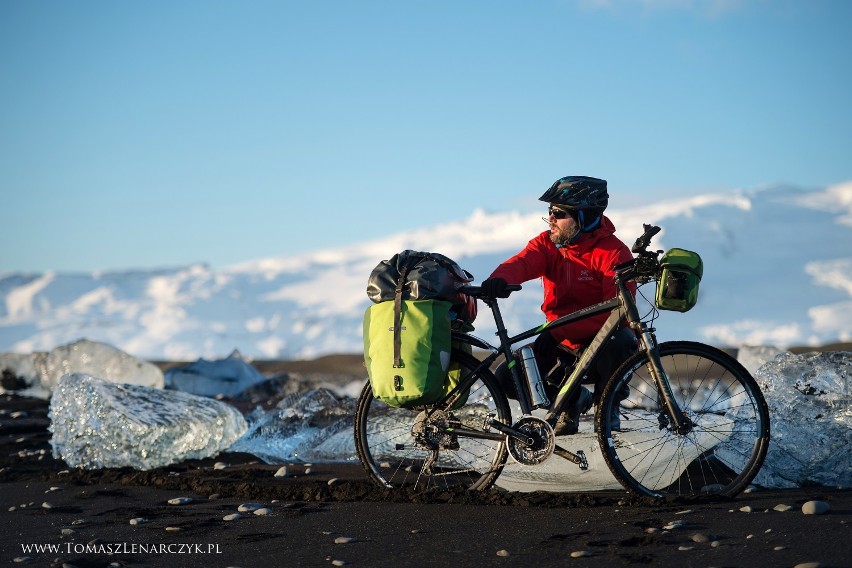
column 617, row 349
column 556, row 362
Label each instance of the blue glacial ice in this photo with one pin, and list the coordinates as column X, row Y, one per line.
column 97, row 424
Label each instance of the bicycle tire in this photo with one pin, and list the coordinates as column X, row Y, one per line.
column 394, row 457
column 724, row 450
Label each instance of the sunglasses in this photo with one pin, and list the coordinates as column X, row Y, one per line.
column 560, row 213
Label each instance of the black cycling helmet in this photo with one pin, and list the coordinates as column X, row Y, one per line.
column 577, row 192
column 587, row 196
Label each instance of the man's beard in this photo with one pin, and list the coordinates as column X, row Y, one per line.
column 564, row 236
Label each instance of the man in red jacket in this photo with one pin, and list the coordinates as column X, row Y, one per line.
column 575, row 259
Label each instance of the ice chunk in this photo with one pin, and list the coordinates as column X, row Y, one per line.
column 227, row 377
column 41, row 371
column 752, row 357
column 312, row 427
column 99, row 424
column 810, row 410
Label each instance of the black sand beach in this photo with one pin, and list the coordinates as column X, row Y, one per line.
column 330, row 514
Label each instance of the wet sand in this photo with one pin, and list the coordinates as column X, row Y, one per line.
column 330, row 514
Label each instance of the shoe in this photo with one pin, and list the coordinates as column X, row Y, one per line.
column 568, row 421
column 615, row 417
column 615, row 421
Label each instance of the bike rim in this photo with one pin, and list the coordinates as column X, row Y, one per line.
column 721, row 453
column 398, row 453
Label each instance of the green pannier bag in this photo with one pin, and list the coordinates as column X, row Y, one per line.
column 677, row 288
column 407, row 347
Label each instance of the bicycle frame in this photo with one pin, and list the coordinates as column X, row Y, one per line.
column 622, row 309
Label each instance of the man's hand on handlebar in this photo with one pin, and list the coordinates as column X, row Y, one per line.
column 495, row 288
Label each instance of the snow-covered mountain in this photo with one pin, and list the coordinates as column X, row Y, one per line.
column 778, row 270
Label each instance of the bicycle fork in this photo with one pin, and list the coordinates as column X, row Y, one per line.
column 680, row 423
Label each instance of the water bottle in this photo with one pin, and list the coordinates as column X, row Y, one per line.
column 538, row 398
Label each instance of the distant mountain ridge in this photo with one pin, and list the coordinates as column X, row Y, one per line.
column 778, row 270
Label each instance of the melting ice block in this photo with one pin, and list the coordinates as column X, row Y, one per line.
column 227, row 377
column 753, row 357
column 41, row 371
column 810, row 409
column 98, row 424
column 315, row 426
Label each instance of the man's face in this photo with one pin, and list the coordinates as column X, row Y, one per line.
column 563, row 226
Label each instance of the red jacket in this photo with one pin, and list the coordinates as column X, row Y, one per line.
column 574, row 276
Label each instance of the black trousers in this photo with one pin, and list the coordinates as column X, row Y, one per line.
column 555, row 362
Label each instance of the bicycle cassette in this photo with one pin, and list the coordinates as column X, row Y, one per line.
column 543, row 441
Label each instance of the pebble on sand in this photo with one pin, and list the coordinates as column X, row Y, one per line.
column 263, row 511
column 180, row 500
column 580, row 554
column 782, row 508
column 282, row 471
column 502, row 552
column 249, row 507
column 231, row 517
column 816, row 508
column 344, row 540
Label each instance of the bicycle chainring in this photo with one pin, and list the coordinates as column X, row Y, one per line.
column 543, row 441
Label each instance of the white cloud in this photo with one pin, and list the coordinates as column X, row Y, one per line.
column 833, row 320
column 836, row 198
column 754, row 332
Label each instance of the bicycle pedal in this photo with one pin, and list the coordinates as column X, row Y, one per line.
column 584, row 463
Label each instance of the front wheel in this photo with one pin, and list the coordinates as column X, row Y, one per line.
column 418, row 449
column 725, row 445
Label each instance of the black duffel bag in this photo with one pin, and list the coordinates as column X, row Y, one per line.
column 426, row 276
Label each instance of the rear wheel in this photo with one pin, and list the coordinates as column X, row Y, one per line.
column 726, row 444
column 417, row 448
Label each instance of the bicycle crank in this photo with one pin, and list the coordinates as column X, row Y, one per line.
column 537, row 444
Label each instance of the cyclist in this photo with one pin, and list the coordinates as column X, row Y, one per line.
column 575, row 260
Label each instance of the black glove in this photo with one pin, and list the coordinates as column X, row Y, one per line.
column 495, row 287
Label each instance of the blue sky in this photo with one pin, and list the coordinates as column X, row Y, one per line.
column 144, row 134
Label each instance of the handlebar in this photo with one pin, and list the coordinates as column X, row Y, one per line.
column 476, row 291
column 644, row 265
column 642, row 242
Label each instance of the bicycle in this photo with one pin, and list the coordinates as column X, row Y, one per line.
column 677, row 418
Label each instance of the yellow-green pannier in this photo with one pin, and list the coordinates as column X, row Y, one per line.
column 677, row 287
column 409, row 368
